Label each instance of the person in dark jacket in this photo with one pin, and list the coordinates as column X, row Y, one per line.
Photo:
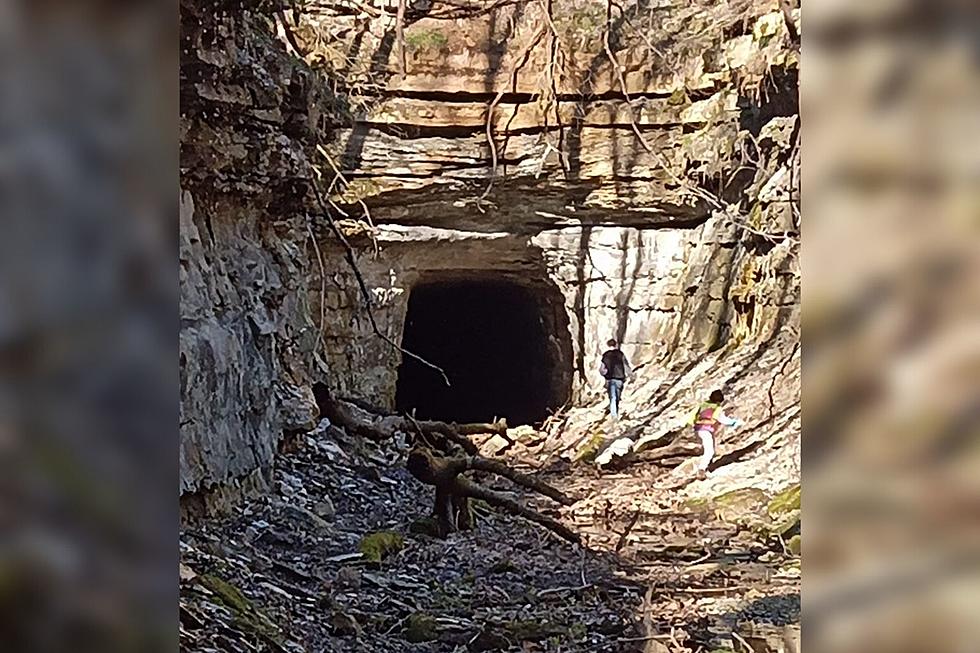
column 615, row 369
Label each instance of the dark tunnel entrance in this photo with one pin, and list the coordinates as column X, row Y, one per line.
column 500, row 344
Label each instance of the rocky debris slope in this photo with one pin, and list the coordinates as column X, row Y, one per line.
column 336, row 558
column 761, row 380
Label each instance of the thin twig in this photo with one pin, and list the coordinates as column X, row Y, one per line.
column 782, row 371
column 738, row 223
column 397, row 624
column 518, row 64
column 713, row 590
column 349, row 255
column 644, row 638
column 323, row 288
column 556, row 590
column 555, row 48
column 626, row 532
column 493, row 149
column 706, row 556
column 288, row 32
column 741, row 640
column 339, row 176
column 418, row 428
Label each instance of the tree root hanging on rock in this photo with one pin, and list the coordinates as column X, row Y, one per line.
column 453, row 491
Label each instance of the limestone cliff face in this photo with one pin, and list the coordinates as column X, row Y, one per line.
column 249, row 118
column 637, row 164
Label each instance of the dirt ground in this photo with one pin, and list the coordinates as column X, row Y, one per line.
column 288, row 571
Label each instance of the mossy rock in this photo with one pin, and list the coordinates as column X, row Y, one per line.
column 246, row 616
column 697, row 504
column 785, row 502
column 590, row 449
column 795, row 545
column 380, row 545
column 792, row 568
column 421, row 627
column 741, row 506
column 358, row 189
column 227, row 593
column 678, row 97
column 503, row 566
column 429, row 39
column 578, row 631
column 785, row 526
column 784, row 509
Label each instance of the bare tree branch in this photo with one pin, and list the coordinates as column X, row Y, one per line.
column 518, row 64
column 323, row 288
column 352, row 262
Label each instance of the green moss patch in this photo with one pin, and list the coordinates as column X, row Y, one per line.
column 246, row 616
column 378, row 546
column 531, row 630
column 678, row 97
column 785, row 502
column 784, row 510
column 503, row 566
column 741, row 506
column 429, row 39
column 795, row 545
column 590, row 449
column 421, row 627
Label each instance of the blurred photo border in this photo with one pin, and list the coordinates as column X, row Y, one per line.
column 89, row 320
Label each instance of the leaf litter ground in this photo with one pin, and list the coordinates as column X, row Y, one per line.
column 285, row 571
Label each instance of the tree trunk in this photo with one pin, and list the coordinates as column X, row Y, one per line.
column 452, row 511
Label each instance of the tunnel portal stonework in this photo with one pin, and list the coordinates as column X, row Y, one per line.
column 654, row 290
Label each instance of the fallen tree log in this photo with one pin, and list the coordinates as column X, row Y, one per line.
column 342, row 414
column 453, row 491
column 494, row 428
column 481, row 464
column 475, row 491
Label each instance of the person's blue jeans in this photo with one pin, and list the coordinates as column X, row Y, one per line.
column 615, row 389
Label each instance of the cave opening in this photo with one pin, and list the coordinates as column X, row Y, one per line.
column 501, row 344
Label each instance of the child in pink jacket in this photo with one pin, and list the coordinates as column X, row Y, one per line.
column 707, row 420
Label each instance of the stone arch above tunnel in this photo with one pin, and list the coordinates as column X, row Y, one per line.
column 503, row 343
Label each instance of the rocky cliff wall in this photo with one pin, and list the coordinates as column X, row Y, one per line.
column 250, row 116
column 641, row 163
